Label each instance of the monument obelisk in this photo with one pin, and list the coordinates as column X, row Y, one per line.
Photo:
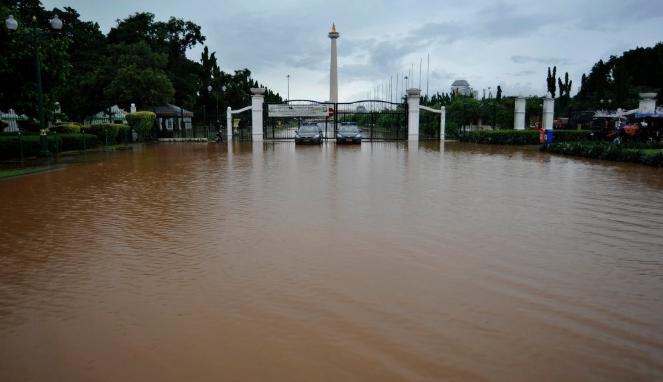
column 333, row 70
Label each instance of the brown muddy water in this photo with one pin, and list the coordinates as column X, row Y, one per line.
column 385, row 262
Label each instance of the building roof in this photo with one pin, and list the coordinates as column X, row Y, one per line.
column 169, row 110
column 460, row 83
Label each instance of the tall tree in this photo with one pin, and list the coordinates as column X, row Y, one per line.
column 565, row 87
column 141, row 60
column 552, row 76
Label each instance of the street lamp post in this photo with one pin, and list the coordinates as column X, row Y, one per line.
column 223, row 90
column 288, row 77
column 56, row 25
column 209, row 92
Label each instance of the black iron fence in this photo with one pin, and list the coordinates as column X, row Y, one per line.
column 377, row 120
column 429, row 125
column 286, row 124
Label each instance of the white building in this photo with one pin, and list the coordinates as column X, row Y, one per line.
column 461, row 87
column 113, row 115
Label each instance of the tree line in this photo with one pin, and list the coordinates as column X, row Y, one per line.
column 615, row 83
column 140, row 60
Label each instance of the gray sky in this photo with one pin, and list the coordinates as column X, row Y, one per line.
column 510, row 43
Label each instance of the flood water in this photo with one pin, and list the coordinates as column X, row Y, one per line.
column 382, row 262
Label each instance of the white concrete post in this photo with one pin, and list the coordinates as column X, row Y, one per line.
column 12, row 118
column 548, row 112
column 257, row 101
column 519, row 114
column 647, row 103
column 229, row 123
column 443, row 122
column 413, row 98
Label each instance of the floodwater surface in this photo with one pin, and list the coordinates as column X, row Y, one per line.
column 381, row 262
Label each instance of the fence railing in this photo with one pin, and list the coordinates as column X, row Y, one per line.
column 11, row 119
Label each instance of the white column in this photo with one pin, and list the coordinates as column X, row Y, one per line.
column 519, row 114
column 548, row 112
column 257, row 101
column 229, row 123
column 443, row 122
column 333, row 67
column 413, row 98
column 647, row 103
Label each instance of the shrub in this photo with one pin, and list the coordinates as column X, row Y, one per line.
column 142, row 122
column 10, row 145
column 573, row 135
column 502, row 137
column 109, row 132
column 67, row 128
column 608, row 151
column 28, row 125
column 522, row 137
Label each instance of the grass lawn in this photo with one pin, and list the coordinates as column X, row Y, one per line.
column 12, row 172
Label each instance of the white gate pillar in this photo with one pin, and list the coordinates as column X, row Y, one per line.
column 229, row 123
column 443, row 122
column 647, row 103
column 548, row 112
column 413, row 98
column 519, row 114
column 257, row 101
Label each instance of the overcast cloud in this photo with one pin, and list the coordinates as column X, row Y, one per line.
column 510, row 43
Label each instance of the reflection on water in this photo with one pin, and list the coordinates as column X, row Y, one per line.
column 385, row 261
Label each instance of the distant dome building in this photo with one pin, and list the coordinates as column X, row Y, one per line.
column 461, row 87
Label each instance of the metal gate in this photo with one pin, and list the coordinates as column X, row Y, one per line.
column 286, row 124
column 377, row 120
column 241, row 126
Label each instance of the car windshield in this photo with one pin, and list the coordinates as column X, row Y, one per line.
column 308, row 129
column 349, row 129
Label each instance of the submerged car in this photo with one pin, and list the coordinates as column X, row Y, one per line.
column 309, row 133
column 348, row 133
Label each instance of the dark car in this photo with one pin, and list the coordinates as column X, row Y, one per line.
column 309, row 133
column 348, row 133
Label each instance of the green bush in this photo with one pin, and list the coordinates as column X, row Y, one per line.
column 608, row 151
column 10, row 145
column 28, row 125
column 572, row 135
column 67, row 127
column 142, row 123
column 112, row 133
column 502, row 137
column 522, row 137
column 15, row 133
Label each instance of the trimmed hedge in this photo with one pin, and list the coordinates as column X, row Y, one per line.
column 608, row 151
column 142, row 122
column 115, row 133
column 67, row 128
column 10, row 147
column 523, row 137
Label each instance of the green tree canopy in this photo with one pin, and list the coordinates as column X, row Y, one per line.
column 141, row 60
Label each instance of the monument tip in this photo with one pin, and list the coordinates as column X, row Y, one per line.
column 333, row 28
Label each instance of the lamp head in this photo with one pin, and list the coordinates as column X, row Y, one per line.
column 11, row 23
column 56, row 23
